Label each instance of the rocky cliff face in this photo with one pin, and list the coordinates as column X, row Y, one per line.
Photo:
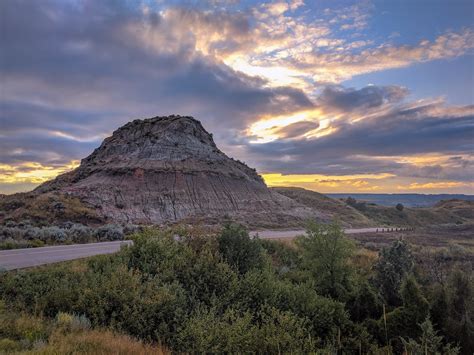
column 166, row 169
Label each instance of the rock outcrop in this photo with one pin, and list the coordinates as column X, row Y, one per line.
column 167, row 169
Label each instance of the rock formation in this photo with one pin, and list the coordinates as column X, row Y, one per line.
column 166, row 169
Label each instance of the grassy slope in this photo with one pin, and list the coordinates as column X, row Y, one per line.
column 348, row 215
column 22, row 333
column 450, row 211
column 45, row 209
column 443, row 213
column 95, row 342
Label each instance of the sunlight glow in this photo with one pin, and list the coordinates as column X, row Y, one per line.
column 435, row 185
column 32, row 172
column 268, row 129
column 275, row 75
column 328, row 183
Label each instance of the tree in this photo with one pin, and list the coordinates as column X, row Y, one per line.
column 351, row 201
column 404, row 321
column 239, row 250
column 365, row 302
column 439, row 307
column 429, row 342
column 399, row 207
column 325, row 253
column 459, row 324
column 393, row 265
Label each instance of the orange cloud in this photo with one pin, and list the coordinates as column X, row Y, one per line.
column 327, row 183
column 271, row 42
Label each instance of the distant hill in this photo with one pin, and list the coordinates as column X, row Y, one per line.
column 408, row 200
column 334, row 209
column 447, row 212
column 360, row 213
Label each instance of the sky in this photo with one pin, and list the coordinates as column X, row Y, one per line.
column 333, row 96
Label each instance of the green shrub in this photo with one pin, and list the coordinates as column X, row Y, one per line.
column 72, row 323
column 393, row 265
column 325, row 253
column 8, row 345
column 429, row 342
column 239, row 250
column 231, row 293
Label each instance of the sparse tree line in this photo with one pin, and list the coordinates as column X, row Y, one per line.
column 194, row 292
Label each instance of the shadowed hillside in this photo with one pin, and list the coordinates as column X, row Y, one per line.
column 446, row 212
column 360, row 213
column 335, row 209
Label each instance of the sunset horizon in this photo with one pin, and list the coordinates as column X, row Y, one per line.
column 362, row 97
column 237, row 177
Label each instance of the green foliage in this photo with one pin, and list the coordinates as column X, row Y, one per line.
column 230, row 293
column 393, row 265
column 269, row 330
column 72, row 322
column 207, row 331
column 365, row 302
column 429, row 342
column 404, row 321
column 157, row 252
column 239, row 250
column 439, row 306
column 459, row 324
column 325, row 253
column 23, row 235
column 8, row 345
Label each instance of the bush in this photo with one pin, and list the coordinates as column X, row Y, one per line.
column 404, row 321
column 429, row 342
column 73, row 323
column 80, row 233
column 325, row 253
column 361, row 206
column 231, row 293
column 239, row 250
column 393, row 265
column 399, row 207
column 110, row 232
column 8, row 345
column 25, row 236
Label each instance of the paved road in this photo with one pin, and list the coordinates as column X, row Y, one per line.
column 22, row 258
column 293, row 233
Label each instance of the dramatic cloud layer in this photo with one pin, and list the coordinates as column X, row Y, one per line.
column 266, row 78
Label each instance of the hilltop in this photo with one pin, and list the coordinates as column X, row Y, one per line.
column 154, row 171
column 165, row 170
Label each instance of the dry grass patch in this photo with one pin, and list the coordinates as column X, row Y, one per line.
column 96, row 342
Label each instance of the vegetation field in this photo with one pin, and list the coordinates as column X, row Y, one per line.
column 183, row 290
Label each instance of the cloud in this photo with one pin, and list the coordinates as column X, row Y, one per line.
column 348, row 99
column 269, row 73
column 337, row 66
column 417, row 139
column 71, row 73
column 328, row 183
column 296, row 129
column 434, row 185
column 33, row 173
